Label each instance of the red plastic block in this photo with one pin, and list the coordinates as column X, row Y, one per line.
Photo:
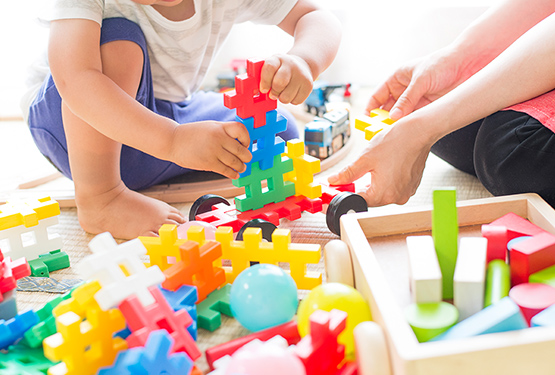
column 532, row 298
column 143, row 320
column 247, row 99
column 10, row 272
column 290, row 209
column 288, row 331
column 517, row 226
column 329, row 192
column 222, row 215
column 195, row 268
column 531, row 255
column 350, row 368
column 320, row 351
column 497, row 241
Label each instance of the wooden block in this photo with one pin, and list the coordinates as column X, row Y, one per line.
column 470, row 276
column 497, row 241
column 517, row 226
column 498, row 282
column 531, row 255
column 445, row 232
column 532, row 298
column 428, row 320
column 502, row 316
column 545, row 276
column 424, row 271
column 545, row 318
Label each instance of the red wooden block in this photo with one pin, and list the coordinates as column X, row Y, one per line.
column 531, row 255
column 196, row 268
column 532, row 298
column 142, row 320
column 517, row 226
column 288, row 331
column 319, row 351
column 497, row 241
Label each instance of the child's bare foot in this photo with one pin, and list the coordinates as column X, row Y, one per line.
column 124, row 213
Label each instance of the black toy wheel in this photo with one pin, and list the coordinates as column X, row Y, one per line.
column 267, row 229
column 341, row 204
column 204, row 204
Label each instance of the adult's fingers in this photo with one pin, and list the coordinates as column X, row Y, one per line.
column 408, row 101
column 350, row 173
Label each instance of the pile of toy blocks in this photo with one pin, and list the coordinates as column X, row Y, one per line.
column 501, row 281
column 24, row 233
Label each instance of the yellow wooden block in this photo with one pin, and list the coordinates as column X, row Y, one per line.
column 373, row 124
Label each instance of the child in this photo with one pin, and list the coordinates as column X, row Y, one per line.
column 121, row 112
column 485, row 104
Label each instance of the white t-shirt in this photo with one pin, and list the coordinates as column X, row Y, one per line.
column 180, row 52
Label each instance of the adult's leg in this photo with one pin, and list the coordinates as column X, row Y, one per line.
column 515, row 153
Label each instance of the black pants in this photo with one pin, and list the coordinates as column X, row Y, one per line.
column 510, row 152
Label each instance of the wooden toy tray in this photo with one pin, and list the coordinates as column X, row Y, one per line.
column 379, row 257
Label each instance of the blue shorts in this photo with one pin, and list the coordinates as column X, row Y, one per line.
column 138, row 170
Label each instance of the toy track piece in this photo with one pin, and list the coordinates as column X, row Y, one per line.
column 339, row 267
column 341, row 204
column 370, row 340
column 204, row 204
column 267, row 229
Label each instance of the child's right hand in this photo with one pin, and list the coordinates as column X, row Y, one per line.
column 221, row 147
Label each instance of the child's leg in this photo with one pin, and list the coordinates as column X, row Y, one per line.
column 104, row 202
column 515, row 153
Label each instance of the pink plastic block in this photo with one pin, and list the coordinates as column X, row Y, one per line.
column 10, row 272
column 143, row 320
column 531, row 255
column 320, row 352
column 497, row 241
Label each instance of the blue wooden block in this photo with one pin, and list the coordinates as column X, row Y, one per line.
column 8, row 306
column 545, row 318
column 152, row 359
column 502, row 316
column 14, row 329
column 184, row 298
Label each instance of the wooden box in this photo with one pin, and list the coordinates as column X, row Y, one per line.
column 379, row 257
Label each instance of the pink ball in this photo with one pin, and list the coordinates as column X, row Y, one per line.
column 209, row 229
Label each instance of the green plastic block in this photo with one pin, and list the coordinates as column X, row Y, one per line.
column 429, row 320
column 47, row 324
column 209, row 311
column 277, row 189
column 38, row 268
column 545, row 276
column 445, row 232
column 20, row 360
column 55, row 260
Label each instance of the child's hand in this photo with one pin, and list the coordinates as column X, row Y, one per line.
column 221, row 147
column 287, row 78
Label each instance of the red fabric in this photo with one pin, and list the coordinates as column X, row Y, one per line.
column 542, row 108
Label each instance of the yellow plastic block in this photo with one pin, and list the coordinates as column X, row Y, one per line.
column 280, row 250
column 163, row 251
column 375, row 123
column 81, row 301
column 27, row 213
column 304, row 168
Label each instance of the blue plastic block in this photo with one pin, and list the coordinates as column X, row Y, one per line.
column 152, row 359
column 8, row 306
column 264, row 143
column 545, row 318
column 184, row 298
column 13, row 329
column 502, row 316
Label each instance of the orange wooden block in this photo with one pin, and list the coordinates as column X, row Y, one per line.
column 196, row 268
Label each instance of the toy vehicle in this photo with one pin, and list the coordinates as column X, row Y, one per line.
column 316, row 101
column 326, row 135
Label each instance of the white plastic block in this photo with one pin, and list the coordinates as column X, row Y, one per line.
column 30, row 242
column 424, row 271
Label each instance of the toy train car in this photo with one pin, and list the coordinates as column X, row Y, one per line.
column 326, row 135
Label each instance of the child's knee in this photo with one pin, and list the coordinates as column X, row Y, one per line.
column 292, row 130
column 122, row 61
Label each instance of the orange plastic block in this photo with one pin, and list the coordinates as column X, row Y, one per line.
column 530, row 256
column 195, row 268
column 375, row 123
column 304, row 168
column 27, row 213
column 85, row 340
column 319, row 351
column 163, row 251
column 142, row 320
column 280, row 250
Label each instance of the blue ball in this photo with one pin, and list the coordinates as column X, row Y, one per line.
column 263, row 296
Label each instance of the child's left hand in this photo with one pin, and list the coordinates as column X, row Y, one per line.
column 287, row 78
